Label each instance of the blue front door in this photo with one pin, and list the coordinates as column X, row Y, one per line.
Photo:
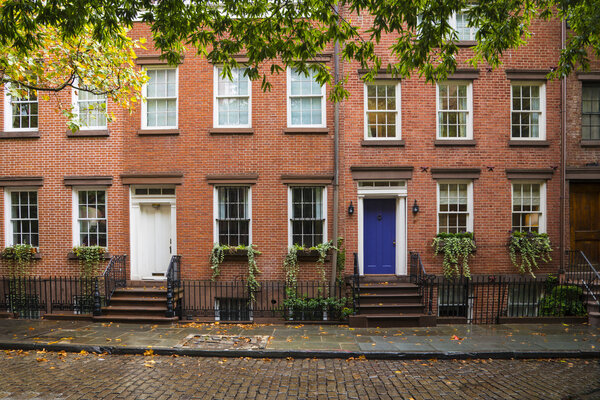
column 380, row 236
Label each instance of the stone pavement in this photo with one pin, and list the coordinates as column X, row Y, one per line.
column 323, row 341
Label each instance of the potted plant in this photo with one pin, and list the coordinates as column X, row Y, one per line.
column 19, row 258
column 221, row 251
column 456, row 248
column 526, row 249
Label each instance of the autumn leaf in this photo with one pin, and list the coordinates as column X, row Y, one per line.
column 149, row 353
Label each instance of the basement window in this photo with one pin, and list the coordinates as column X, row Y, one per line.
column 233, row 309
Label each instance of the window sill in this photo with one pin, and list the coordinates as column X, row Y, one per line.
column 88, row 133
column 158, row 132
column 306, row 131
column 231, row 131
column 528, row 143
column 20, row 135
column 310, row 255
column 455, row 143
column 382, row 143
column 590, row 143
column 72, row 256
column 466, row 43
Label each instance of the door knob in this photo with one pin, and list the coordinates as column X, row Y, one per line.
column 394, row 243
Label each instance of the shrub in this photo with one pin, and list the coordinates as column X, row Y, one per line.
column 563, row 301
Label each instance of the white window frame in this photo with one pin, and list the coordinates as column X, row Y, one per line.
column 469, row 109
column 542, row 119
column 453, row 22
column 77, row 111
column 469, row 201
column 398, row 109
column 8, row 228
column 216, row 97
column 145, row 102
column 75, row 211
column 290, row 211
column 542, row 212
column 8, row 127
column 216, row 210
column 323, row 123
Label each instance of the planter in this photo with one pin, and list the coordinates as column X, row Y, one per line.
column 105, row 256
column 311, row 255
column 235, row 255
column 307, row 314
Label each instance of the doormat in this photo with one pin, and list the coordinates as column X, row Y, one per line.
column 224, row 342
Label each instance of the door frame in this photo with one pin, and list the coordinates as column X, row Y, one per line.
column 135, row 201
column 399, row 193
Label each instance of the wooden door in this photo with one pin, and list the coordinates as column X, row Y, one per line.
column 585, row 219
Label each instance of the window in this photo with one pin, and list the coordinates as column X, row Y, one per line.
column 91, row 109
column 307, row 216
column 528, row 201
column 590, row 111
column 233, row 215
column 154, row 191
column 160, row 108
column 455, row 104
column 21, row 113
column 22, row 222
column 455, row 202
column 523, row 299
column 460, row 23
column 90, row 217
column 306, row 100
column 453, row 299
column 382, row 105
column 232, row 99
column 233, row 309
column 527, row 111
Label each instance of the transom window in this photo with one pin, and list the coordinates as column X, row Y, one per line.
column 454, row 213
column 160, row 107
column 527, row 116
column 233, row 217
column 232, row 101
column 381, row 184
column 21, row 113
column 527, row 201
column 91, row 218
column 455, row 110
column 382, row 111
column 590, row 111
column 306, row 102
column 307, row 216
column 91, row 109
column 154, row 191
column 23, row 227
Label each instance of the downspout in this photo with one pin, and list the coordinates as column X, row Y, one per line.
column 563, row 154
column 336, row 158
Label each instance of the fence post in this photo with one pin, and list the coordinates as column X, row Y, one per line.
column 97, row 304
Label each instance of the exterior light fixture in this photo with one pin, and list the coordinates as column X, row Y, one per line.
column 350, row 208
column 415, row 208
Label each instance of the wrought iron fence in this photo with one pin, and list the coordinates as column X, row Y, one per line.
column 580, row 271
column 114, row 276
column 423, row 280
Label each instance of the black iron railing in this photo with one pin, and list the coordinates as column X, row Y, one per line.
column 580, row 271
column 173, row 284
column 356, row 286
column 114, row 277
column 423, row 280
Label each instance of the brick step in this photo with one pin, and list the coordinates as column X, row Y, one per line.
column 393, row 308
column 134, row 319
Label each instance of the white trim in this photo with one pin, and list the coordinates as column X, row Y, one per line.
column 8, row 231
column 323, row 123
column 75, row 210
column 216, row 210
column 215, row 103
column 469, row 109
column 469, row 201
column 399, row 193
column 145, row 103
column 76, row 111
column 542, row 119
column 398, row 110
column 8, row 127
column 324, row 205
column 542, row 220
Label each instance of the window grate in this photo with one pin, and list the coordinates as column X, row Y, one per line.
column 233, row 220
column 307, row 216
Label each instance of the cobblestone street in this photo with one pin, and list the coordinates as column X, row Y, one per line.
column 45, row 375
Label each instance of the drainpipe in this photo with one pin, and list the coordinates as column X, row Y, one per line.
column 336, row 158
column 563, row 154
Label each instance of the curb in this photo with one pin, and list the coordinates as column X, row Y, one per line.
column 323, row 354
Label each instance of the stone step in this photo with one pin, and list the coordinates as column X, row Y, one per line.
column 135, row 310
column 388, row 298
column 140, row 292
column 391, row 320
column 391, row 308
column 147, row 283
column 384, row 278
column 136, row 319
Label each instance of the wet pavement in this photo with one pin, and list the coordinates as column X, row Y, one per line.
column 327, row 341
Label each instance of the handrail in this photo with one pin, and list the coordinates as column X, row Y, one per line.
column 421, row 278
column 173, row 281
column 114, row 277
column 580, row 269
column 356, row 286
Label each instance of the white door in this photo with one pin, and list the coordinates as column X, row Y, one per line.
column 154, row 240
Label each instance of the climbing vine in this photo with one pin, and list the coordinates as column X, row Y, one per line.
column 456, row 249
column 526, row 249
column 89, row 259
column 20, row 258
column 290, row 264
column 217, row 256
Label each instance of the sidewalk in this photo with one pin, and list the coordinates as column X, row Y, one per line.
column 300, row 341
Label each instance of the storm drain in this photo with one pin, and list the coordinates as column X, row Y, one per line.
column 224, row 342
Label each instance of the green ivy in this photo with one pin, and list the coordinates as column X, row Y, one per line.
column 20, row 258
column 294, row 304
column 527, row 248
column 341, row 260
column 89, row 258
column 563, row 301
column 456, row 248
column 218, row 255
column 290, row 263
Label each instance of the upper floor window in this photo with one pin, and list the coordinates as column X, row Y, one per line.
column 232, row 105
column 382, row 111
column 455, row 205
column 307, row 216
column 21, row 113
column 455, row 110
column 160, row 108
column 590, row 111
column 22, row 221
column 460, row 23
column 528, row 119
column 233, row 215
column 90, row 109
column 528, row 204
column 306, row 100
column 89, row 224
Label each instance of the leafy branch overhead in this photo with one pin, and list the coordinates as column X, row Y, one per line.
column 416, row 34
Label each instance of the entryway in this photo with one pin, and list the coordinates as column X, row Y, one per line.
column 585, row 219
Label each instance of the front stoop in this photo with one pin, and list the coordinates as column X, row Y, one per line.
column 388, row 301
